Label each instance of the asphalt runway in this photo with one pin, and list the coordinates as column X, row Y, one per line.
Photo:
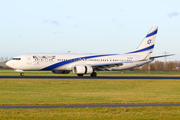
column 84, row 106
column 88, row 77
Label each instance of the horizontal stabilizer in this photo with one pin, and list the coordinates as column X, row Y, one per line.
column 161, row 56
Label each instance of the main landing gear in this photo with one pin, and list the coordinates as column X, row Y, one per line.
column 94, row 74
column 80, row 75
column 21, row 74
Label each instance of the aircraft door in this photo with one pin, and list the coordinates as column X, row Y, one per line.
column 29, row 60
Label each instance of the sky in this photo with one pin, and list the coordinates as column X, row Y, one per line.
column 87, row 26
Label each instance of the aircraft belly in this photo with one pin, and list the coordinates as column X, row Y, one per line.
column 65, row 67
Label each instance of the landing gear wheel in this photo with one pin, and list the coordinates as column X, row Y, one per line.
column 80, row 75
column 22, row 74
column 94, row 74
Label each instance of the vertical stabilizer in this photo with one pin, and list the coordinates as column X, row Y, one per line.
column 147, row 45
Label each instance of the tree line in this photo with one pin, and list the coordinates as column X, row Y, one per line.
column 161, row 66
column 2, row 59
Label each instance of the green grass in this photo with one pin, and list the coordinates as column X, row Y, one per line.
column 90, row 91
column 87, row 91
column 10, row 72
column 130, row 113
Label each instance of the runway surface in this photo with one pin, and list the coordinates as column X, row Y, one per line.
column 84, row 106
column 87, row 77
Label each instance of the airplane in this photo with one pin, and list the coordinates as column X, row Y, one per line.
column 82, row 64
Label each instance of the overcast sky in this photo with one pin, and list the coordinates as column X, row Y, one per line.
column 87, row 26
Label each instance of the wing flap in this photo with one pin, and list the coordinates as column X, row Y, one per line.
column 106, row 66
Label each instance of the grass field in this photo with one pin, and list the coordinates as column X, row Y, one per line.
column 132, row 113
column 90, row 91
column 87, row 91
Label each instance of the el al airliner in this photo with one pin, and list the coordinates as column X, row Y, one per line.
column 82, row 64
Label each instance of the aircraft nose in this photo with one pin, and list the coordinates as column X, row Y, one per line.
column 9, row 64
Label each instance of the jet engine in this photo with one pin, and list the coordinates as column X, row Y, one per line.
column 60, row 71
column 82, row 69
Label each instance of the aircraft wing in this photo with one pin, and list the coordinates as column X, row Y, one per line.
column 161, row 56
column 106, row 66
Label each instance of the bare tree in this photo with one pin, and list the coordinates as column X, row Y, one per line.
column 2, row 58
column 144, row 67
column 152, row 67
column 6, row 58
column 10, row 58
column 171, row 65
column 158, row 65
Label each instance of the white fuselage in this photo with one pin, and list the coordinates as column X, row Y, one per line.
column 68, row 61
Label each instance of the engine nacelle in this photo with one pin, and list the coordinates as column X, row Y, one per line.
column 82, row 69
column 60, row 71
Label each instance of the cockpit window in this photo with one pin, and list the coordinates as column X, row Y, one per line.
column 16, row 59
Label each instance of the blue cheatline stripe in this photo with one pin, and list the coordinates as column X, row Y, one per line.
column 72, row 60
column 151, row 34
column 142, row 50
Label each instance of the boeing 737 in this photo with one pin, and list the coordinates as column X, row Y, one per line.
column 82, row 64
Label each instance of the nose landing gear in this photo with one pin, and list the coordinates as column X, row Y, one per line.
column 21, row 74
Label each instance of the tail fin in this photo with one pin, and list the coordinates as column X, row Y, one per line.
column 147, row 45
